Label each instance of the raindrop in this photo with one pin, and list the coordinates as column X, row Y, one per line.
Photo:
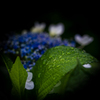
column 68, row 53
column 44, row 61
column 84, row 56
column 50, row 56
column 58, row 65
column 72, row 48
column 42, row 58
column 54, row 78
column 59, row 56
column 91, row 57
column 39, row 75
column 40, row 66
column 49, row 67
column 82, row 51
column 54, row 59
column 62, row 53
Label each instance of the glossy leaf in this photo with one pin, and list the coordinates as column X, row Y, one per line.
column 18, row 77
column 54, row 64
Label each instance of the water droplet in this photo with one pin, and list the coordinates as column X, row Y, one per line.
column 40, row 66
column 59, row 56
column 54, row 59
column 44, row 61
column 58, row 65
column 39, row 75
column 82, row 51
column 67, row 60
column 53, row 66
column 62, row 59
column 84, row 56
column 50, row 56
column 72, row 48
column 54, row 78
column 62, row 53
column 49, row 67
column 68, row 53
column 91, row 57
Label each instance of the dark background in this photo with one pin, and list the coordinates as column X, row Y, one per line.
column 15, row 19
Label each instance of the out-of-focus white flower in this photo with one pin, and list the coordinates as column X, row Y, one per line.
column 56, row 30
column 29, row 85
column 85, row 40
column 24, row 31
column 87, row 66
column 38, row 27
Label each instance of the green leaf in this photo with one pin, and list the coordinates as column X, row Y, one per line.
column 18, row 77
column 17, row 74
column 7, row 62
column 77, row 79
column 54, row 65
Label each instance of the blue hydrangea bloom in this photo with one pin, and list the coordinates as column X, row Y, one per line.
column 31, row 46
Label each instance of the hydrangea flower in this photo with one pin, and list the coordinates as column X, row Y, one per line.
column 56, row 30
column 30, row 47
column 38, row 27
column 87, row 66
column 83, row 41
column 29, row 85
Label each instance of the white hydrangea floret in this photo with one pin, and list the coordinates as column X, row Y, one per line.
column 29, row 85
column 87, row 66
column 38, row 27
column 56, row 30
column 85, row 40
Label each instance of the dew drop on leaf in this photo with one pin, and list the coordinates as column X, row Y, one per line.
column 53, row 78
column 44, row 61
column 68, row 53
column 62, row 53
column 50, row 56
column 39, row 75
column 60, row 56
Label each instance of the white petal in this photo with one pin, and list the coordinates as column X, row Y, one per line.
column 90, row 40
column 30, row 75
column 85, row 40
column 52, row 30
column 59, row 29
column 87, row 66
column 42, row 25
column 78, row 38
column 85, row 37
column 29, row 85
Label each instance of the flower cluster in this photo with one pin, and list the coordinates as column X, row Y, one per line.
column 31, row 46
